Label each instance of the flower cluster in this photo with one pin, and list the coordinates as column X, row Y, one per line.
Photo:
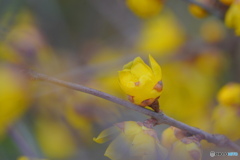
column 136, row 141
column 132, row 141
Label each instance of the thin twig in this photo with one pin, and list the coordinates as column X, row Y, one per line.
column 219, row 140
column 211, row 10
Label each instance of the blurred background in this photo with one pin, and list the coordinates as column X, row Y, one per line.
column 87, row 42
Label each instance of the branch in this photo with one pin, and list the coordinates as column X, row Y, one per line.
column 219, row 140
column 211, row 10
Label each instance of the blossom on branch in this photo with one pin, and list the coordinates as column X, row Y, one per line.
column 132, row 141
column 186, row 149
column 142, row 84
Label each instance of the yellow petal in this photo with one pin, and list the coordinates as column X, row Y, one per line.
column 107, row 134
column 125, row 76
column 119, row 148
column 139, row 68
column 132, row 128
column 155, row 67
column 146, row 147
column 128, row 66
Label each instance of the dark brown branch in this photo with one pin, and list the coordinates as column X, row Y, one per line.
column 219, row 140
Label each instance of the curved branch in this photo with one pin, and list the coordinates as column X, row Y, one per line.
column 219, row 140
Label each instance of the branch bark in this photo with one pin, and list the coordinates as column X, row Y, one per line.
column 217, row 139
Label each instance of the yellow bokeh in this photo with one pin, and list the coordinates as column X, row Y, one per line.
column 212, row 31
column 161, row 35
column 55, row 139
column 225, row 121
column 232, row 17
column 197, row 11
column 13, row 97
column 145, row 8
column 229, row 95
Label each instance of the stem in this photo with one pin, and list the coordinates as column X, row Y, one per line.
column 219, row 140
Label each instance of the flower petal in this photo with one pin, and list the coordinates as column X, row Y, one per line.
column 139, row 68
column 155, row 67
column 107, row 134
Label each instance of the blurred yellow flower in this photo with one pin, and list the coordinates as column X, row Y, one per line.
column 161, row 35
column 55, row 139
column 210, row 62
column 226, row 121
column 186, row 149
column 212, row 31
column 145, row 8
column 133, row 141
column 232, row 17
column 229, row 95
column 28, row 158
column 140, row 82
column 171, row 135
column 13, row 97
column 227, row 2
column 197, row 11
column 187, row 94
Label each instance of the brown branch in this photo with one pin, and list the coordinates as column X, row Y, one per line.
column 219, row 140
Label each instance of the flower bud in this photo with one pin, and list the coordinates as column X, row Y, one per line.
column 186, row 149
column 229, row 95
column 171, row 135
column 142, row 84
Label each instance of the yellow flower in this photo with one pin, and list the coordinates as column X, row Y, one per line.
column 142, row 83
column 197, row 11
column 132, row 140
column 145, row 8
column 186, row 149
column 226, row 121
column 171, row 135
column 232, row 17
column 229, row 95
